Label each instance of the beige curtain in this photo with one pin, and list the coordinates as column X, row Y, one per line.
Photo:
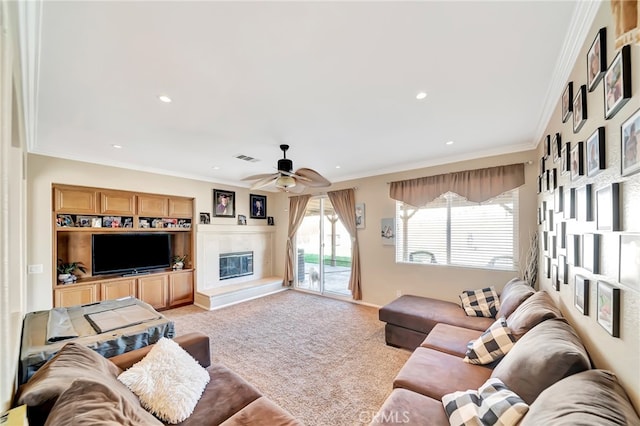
column 344, row 203
column 474, row 185
column 297, row 208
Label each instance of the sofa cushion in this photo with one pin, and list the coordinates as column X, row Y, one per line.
column 492, row 404
column 403, row 406
column 549, row 352
column 587, row 398
column 492, row 345
column 261, row 412
column 483, row 302
column 513, row 294
column 433, row 373
column 450, row 339
column 87, row 403
column 168, row 381
column 535, row 309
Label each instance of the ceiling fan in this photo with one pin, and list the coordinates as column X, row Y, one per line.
column 285, row 180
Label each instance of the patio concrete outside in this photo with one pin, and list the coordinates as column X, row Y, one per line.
column 336, row 279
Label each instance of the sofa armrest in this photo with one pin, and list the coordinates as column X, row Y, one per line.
column 196, row 344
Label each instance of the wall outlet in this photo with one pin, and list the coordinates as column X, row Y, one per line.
column 398, row 293
column 35, row 269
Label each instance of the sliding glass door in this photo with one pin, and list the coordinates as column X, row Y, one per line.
column 324, row 250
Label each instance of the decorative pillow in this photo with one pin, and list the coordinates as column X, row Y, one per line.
column 492, row 404
column 88, row 403
column 168, row 381
column 480, row 303
column 492, row 345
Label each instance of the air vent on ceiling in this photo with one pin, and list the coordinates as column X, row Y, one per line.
column 246, row 158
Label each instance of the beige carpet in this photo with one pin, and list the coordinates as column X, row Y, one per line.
column 321, row 359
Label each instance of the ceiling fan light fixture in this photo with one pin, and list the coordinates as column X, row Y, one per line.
column 285, row 182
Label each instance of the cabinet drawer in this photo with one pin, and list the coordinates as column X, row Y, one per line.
column 75, row 200
column 117, row 203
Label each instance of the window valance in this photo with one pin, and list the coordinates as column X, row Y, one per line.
column 474, row 185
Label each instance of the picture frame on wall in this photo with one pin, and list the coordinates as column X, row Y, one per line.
column 630, row 137
column 629, row 263
column 591, row 252
column 547, row 147
column 556, row 147
column 224, row 203
column 596, row 160
column 563, row 269
column 577, row 161
column 580, row 108
column 542, row 166
column 257, row 206
column 565, row 158
column 584, row 203
column 597, row 59
column 573, row 249
column 561, row 233
column 567, row 101
column 205, row 218
column 555, row 282
column 570, row 204
column 608, row 208
column 540, row 183
column 547, row 266
column 608, row 308
column 617, row 82
column 388, row 231
column 360, row 215
column 581, row 294
column 558, row 199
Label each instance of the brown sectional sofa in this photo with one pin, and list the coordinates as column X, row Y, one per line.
column 227, row 400
column 548, row 367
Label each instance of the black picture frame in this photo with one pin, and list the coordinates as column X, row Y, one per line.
column 617, row 82
column 554, row 278
column 608, row 308
column 556, row 147
column 242, row 219
column 577, row 161
column 547, row 266
column 581, row 294
column 547, row 147
column 553, row 246
column 630, row 144
column 542, row 165
column 580, row 108
column 553, row 179
column 565, row 158
column 561, row 233
column 257, row 206
column 224, row 203
column 558, row 199
column 591, row 252
column 596, row 152
column 608, row 208
column 205, row 218
column 567, row 101
column 570, row 204
column 584, row 203
column 573, row 249
column 540, row 184
column 597, row 59
column 545, row 241
column 563, row 269
column 270, row 221
column 549, row 221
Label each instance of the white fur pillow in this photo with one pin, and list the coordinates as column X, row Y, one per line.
column 168, row 381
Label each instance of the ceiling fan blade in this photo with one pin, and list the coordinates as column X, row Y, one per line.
column 312, row 178
column 268, row 180
column 261, row 176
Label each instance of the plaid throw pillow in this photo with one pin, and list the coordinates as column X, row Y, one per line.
column 492, row 345
column 492, row 404
column 483, row 302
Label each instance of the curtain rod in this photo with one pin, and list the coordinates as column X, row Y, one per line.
column 526, row 163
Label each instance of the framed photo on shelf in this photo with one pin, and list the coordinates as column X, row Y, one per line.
column 591, row 252
column 629, row 266
column 630, row 135
column 556, row 147
column 597, row 59
column 242, row 219
column 581, row 294
column 257, row 206
column 596, row 160
column 224, row 203
column 608, row 208
column 577, row 161
column 84, row 221
column 608, row 308
column 96, row 222
column 205, row 218
column 567, row 101
column 580, row 109
column 584, row 203
column 617, row 82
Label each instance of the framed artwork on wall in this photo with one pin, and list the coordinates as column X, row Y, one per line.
column 608, row 308
column 573, row 249
column 617, row 82
column 596, row 160
column 570, row 204
column 556, row 147
column 257, row 206
column 581, row 294
column 577, row 161
column 547, row 147
column 561, row 233
column 567, row 101
column 388, row 231
column 580, row 108
column 565, row 158
column 608, row 208
column 584, row 208
column 629, row 264
column 360, row 216
column 224, row 203
column 554, row 278
column 547, row 266
column 630, row 135
column 558, row 199
column 563, row 269
column 597, row 59
column 591, row 252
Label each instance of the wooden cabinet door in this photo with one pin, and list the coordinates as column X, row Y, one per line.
column 154, row 290
column 180, row 207
column 180, row 288
column 117, row 203
column 76, row 295
column 153, row 206
column 75, row 200
column 116, row 289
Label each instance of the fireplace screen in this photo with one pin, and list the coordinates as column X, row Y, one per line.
column 236, row 264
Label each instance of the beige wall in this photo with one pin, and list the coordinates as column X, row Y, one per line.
column 622, row 355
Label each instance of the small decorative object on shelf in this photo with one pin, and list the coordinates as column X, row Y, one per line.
column 178, row 262
column 66, row 270
column 270, row 220
column 242, row 219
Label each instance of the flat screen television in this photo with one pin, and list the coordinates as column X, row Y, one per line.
column 129, row 253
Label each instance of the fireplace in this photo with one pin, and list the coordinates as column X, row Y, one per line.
column 236, row 264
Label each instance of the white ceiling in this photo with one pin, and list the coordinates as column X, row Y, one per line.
column 335, row 80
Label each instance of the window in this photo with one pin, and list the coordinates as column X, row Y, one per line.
column 453, row 231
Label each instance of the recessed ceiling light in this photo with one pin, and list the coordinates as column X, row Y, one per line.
column 449, row 142
column 164, row 98
column 216, row 167
column 421, row 95
column 337, row 167
column 116, row 146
